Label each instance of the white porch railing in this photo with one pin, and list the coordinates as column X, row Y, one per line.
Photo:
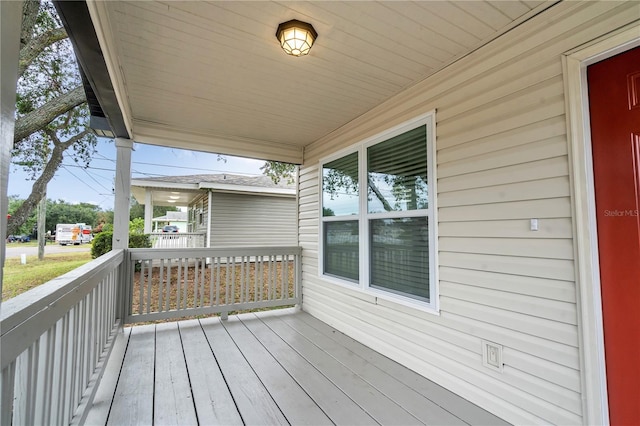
column 177, row 239
column 177, row 283
column 56, row 339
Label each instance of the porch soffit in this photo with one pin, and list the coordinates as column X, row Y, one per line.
column 184, row 190
column 212, row 77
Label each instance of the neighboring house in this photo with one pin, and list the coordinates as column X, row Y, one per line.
column 230, row 210
column 457, row 212
column 178, row 219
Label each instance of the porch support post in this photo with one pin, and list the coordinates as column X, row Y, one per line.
column 123, row 194
column 209, row 224
column 148, row 210
column 11, row 20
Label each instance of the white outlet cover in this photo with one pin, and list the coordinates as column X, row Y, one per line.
column 492, row 356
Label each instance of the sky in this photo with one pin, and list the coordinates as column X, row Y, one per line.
column 94, row 185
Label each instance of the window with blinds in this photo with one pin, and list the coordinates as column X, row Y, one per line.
column 378, row 214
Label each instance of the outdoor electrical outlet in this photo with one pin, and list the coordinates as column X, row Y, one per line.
column 492, row 355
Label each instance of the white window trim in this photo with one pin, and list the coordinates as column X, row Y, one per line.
column 433, row 306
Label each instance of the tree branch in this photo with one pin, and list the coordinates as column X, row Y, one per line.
column 36, row 45
column 37, row 119
column 385, row 204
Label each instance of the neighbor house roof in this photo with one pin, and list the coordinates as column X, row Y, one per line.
column 172, row 216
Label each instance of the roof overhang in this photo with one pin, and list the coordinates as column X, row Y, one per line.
column 211, row 76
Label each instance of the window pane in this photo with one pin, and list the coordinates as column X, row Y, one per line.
column 400, row 256
column 397, row 173
column 340, row 186
column 341, row 249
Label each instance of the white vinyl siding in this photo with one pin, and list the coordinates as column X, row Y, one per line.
column 501, row 160
column 252, row 220
column 198, row 211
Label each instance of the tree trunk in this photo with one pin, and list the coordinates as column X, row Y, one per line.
column 36, row 120
column 38, row 191
column 42, row 233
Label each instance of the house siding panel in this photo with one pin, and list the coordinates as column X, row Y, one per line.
column 253, row 220
column 502, row 160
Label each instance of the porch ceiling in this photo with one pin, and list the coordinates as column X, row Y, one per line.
column 211, row 76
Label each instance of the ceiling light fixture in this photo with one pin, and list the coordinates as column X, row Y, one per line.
column 296, row 37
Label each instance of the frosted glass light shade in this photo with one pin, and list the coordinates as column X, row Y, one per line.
column 296, row 37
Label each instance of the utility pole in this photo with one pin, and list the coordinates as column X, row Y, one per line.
column 42, row 233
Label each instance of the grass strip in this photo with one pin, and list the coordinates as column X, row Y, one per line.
column 18, row 278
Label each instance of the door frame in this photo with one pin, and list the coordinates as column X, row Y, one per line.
column 589, row 303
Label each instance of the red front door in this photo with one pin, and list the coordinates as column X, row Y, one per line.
column 614, row 101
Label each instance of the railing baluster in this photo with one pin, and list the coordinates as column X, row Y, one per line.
column 203, row 267
column 241, row 293
column 62, row 384
column 285, row 276
column 161, row 286
column 211, row 282
column 169, row 290
column 261, row 278
column 74, row 382
column 47, row 394
column 7, row 388
column 233, row 280
column 217, row 261
column 26, row 387
column 149, row 285
column 185, row 280
column 141, row 284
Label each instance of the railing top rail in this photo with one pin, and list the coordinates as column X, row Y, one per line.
column 19, row 309
column 170, row 253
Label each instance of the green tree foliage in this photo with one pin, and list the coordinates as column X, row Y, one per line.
column 51, row 110
column 57, row 212
column 63, row 212
column 102, row 243
column 137, row 210
column 279, row 171
column 28, row 225
column 136, row 226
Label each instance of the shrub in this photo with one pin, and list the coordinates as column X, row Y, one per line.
column 102, row 243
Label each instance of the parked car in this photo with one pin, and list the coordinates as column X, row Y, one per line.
column 170, row 228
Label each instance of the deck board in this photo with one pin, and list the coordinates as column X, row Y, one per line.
column 212, row 398
column 173, row 398
column 412, row 401
column 382, row 409
column 336, row 404
column 449, row 401
column 276, row 367
column 297, row 406
column 133, row 400
column 251, row 397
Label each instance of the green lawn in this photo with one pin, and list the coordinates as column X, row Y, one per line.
column 19, row 278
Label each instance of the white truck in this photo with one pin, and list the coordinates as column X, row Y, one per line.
column 73, row 233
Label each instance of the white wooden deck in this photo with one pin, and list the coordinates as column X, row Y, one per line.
column 277, row 367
